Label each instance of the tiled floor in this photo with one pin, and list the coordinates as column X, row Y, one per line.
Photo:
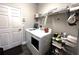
column 19, row 50
column 26, row 51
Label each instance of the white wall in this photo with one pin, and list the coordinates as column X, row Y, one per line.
column 58, row 22
column 45, row 7
column 58, row 25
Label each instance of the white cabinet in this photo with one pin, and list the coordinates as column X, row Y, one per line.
column 28, row 37
column 38, row 41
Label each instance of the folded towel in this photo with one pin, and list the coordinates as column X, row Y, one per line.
column 72, row 39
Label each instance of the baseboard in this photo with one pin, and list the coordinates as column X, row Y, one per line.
column 24, row 42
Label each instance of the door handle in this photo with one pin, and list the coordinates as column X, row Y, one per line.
column 19, row 29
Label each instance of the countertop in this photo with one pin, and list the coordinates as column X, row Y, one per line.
column 38, row 32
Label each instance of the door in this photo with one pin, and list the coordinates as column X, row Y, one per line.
column 4, row 29
column 16, row 27
column 10, row 27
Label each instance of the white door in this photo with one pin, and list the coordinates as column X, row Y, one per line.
column 16, row 27
column 10, row 27
column 4, row 39
column 4, row 30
